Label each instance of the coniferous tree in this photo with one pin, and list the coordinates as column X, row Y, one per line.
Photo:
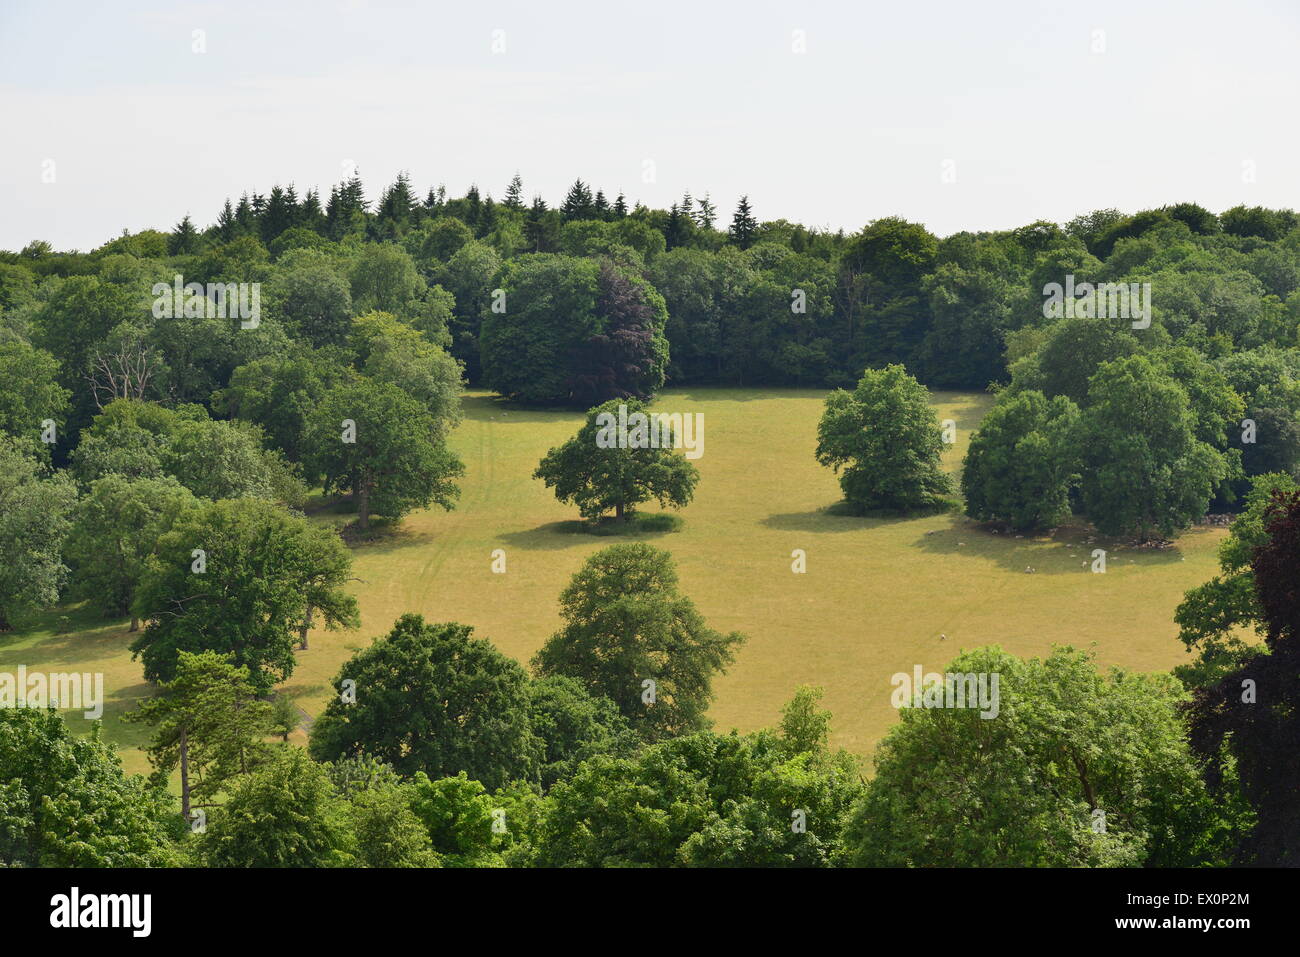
column 184, row 240
column 514, row 193
column 743, row 224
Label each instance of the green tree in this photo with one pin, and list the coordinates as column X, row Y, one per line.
column 432, row 698
column 115, row 529
column 630, row 636
column 383, row 446
column 1022, row 462
column 207, row 722
column 1076, row 769
column 64, row 801
column 886, row 438
column 285, row 814
column 30, row 393
column 573, row 726
column 593, row 473
column 238, row 577
column 1144, row 472
column 35, row 516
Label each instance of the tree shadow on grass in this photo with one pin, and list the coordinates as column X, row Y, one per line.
column 106, row 639
column 555, row 536
column 839, row 518
column 493, row 408
column 1062, row 551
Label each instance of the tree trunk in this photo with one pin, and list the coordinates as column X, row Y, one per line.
column 4, row 622
column 185, row 776
column 135, row 623
column 618, row 511
column 363, row 505
column 302, row 631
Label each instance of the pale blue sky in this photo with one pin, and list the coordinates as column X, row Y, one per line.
column 1034, row 123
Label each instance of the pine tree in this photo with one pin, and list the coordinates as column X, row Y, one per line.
column 310, row 214
column 278, row 214
column 244, row 218
column 514, row 193
column 707, row 213
column 184, row 239
column 577, row 204
column 226, row 225
column 601, row 205
column 535, row 226
column 743, row 224
column 620, row 207
column 396, row 202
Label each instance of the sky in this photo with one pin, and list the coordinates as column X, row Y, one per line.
column 962, row 115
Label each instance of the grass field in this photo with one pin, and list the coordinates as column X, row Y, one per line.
column 876, row 596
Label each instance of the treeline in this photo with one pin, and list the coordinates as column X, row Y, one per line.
column 745, row 302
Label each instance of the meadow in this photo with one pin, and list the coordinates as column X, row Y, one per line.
column 877, row 595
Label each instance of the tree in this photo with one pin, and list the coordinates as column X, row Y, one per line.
column 702, row 800
column 64, row 801
column 423, row 371
column 184, row 240
column 592, row 472
column 216, row 459
column 208, row 722
column 35, row 516
column 1252, row 712
column 388, row 831
column 30, row 393
column 743, row 224
column 886, row 438
column 515, row 193
column 313, row 300
column 627, row 357
column 285, row 814
column 278, row 393
column 238, row 577
column 631, row 636
column 1076, row 769
column 115, row 529
column 1213, row 618
column 381, row 444
column 1144, row 472
column 385, row 278
column 573, row 726
column 805, row 726
column 1022, row 462
column 573, row 331
column 430, row 697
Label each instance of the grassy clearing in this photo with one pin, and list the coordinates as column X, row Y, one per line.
column 877, row 594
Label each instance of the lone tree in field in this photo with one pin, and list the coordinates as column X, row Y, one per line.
column 594, row 473
column 239, row 577
column 885, row 437
column 384, row 446
column 630, row 636
column 1022, row 462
